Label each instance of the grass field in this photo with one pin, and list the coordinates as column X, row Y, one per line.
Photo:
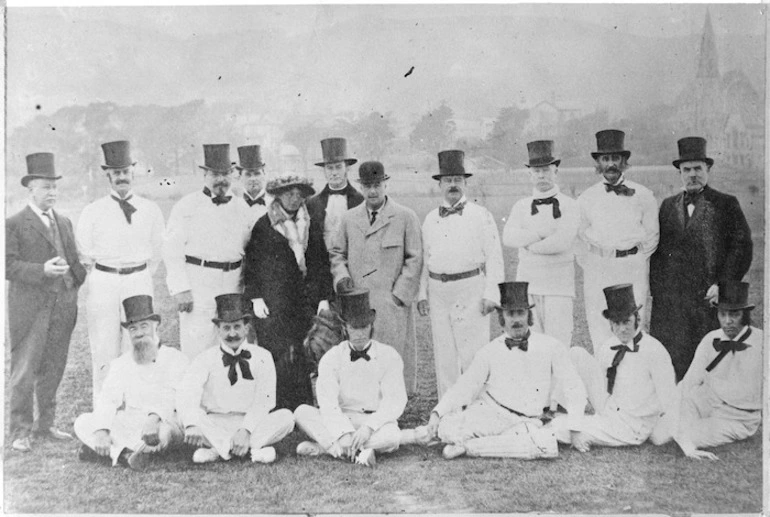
column 645, row 479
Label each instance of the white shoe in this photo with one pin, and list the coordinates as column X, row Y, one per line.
column 452, row 451
column 263, row 455
column 366, row 458
column 205, row 455
column 309, row 449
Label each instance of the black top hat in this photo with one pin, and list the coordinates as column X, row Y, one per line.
column 335, row 150
column 217, row 158
column 451, row 163
column 541, row 153
column 250, row 157
column 232, row 307
column 371, row 172
column 620, row 302
column 733, row 296
column 513, row 295
column 39, row 166
column 610, row 141
column 138, row 308
column 355, row 309
column 117, row 155
column 692, row 149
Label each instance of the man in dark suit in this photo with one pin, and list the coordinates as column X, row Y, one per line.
column 42, row 265
column 704, row 240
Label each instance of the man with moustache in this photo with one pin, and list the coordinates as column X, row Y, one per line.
column 338, row 196
column 618, row 231
column 379, row 248
column 120, row 237
column 543, row 227
column 134, row 415
column 227, row 395
column 462, row 265
column 704, row 240
column 252, row 173
column 44, row 274
column 203, row 250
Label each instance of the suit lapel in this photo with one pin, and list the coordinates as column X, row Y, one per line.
column 383, row 219
column 35, row 222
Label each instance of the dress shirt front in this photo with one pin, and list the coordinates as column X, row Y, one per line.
column 336, row 206
column 42, row 215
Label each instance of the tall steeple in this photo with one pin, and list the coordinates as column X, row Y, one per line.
column 708, row 65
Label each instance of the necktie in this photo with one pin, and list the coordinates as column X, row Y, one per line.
column 53, row 229
column 217, row 200
column 373, row 217
column 620, row 189
column 691, row 198
column 444, row 211
column 612, row 371
column 230, row 360
column 523, row 344
column 547, row 201
column 127, row 207
column 728, row 346
column 355, row 355
column 251, row 202
column 340, row 192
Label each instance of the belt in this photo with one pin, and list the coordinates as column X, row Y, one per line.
column 368, row 411
column 224, row 266
column 625, row 253
column 447, row 277
column 596, row 250
column 545, row 417
column 121, row 270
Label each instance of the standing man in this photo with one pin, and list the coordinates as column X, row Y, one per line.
column 120, row 238
column 42, row 265
column 203, row 250
column 704, row 240
column 618, row 229
column 462, row 265
column 379, row 247
column 252, row 173
column 338, row 196
column 543, row 228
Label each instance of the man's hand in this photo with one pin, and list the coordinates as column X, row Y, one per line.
column 239, row 443
column 397, row 301
column 151, row 430
column 433, row 425
column 360, row 437
column 102, row 442
column 323, row 305
column 345, row 285
column 712, row 295
column 55, row 267
column 193, row 435
column 184, row 301
column 260, row 309
column 423, row 308
column 700, row 455
column 580, row 441
column 487, row 306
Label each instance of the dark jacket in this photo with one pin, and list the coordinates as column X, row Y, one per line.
column 316, row 205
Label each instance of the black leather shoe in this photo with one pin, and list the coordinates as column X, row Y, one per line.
column 86, row 453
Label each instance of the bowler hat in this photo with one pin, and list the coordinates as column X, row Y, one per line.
column 354, row 308
column 138, row 308
column 371, row 172
column 232, row 307
column 541, row 153
column 692, row 149
column 250, row 157
column 39, row 166
column 286, row 181
column 620, row 302
column 733, row 296
column 117, row 155
column 610, row 141
column 513, row 295
column 216, row 158
column 451, row 163
column 335, row 150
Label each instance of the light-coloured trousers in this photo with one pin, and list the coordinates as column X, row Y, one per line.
column 104, row 311
column 385, row 439
column 552, row 315
column 219, row 428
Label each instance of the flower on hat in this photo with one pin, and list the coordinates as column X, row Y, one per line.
column 286, row 181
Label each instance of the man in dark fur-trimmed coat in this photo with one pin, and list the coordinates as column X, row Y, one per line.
column 704, row 239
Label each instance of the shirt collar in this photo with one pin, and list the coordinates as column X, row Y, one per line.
column 548, row 193
column 116, row 195
column 462, row 200
column 343, row 189
column 261, row 194
column 372, row 349
column 379, row 210
column 226, row 349
column 37, row 210
column 620, row 181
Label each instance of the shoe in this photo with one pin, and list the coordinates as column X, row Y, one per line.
column 452, row 451
column 309, row 449
column 86, row 453
column 366, row 458
column 263, row 455
column 138, row 460
column 23, row 444
column 205, row 455
column 53, row 433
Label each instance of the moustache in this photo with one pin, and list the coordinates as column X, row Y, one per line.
column 121, row 182
column 232, row 339
column 612, row 168
column 517, row 325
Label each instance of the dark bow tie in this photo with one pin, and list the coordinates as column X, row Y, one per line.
column 620, row 189
column 340, row 192
column 444, row 211
column 725, row 346
column 241, row 359
column 355, row 355
column 547, row 201
column 523, row 344
column 690, row 198
column 127, row 207
column 251, row 202
column 612, row 371
column 217, row 200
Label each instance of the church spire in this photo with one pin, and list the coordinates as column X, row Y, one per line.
column 708, row 66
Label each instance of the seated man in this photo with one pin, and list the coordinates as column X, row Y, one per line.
column 630, row 380
column 506, row 390
column 134, row 414
column 720, row 396
column 361, row 392
column 226, row 396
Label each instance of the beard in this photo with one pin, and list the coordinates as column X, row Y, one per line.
column 145, row 350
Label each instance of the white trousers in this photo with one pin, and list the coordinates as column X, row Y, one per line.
column 458, row 327
column 219, row 428
column 552, row 315
column 196, row 330
column 385, row 439
column 104, row 312
column 126, row 432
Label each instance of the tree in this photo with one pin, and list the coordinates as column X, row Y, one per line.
column 371, row 134
column 304, row 138
column 504, row 141
column 434, row 131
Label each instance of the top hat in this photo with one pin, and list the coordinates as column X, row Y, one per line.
column 354, row 308
column 39, row 166
column 335, row 150
column 138, row 308
column 371, row 172
column 733, row 296
column 117, row 155
column 232, row 307
column 451, row 163
column 692, row 149
column 541, row 153
column 217, row 158
column 513, row 295
column 620, row 302
column 250, row 157
column 286, row 181
column 610, row 141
